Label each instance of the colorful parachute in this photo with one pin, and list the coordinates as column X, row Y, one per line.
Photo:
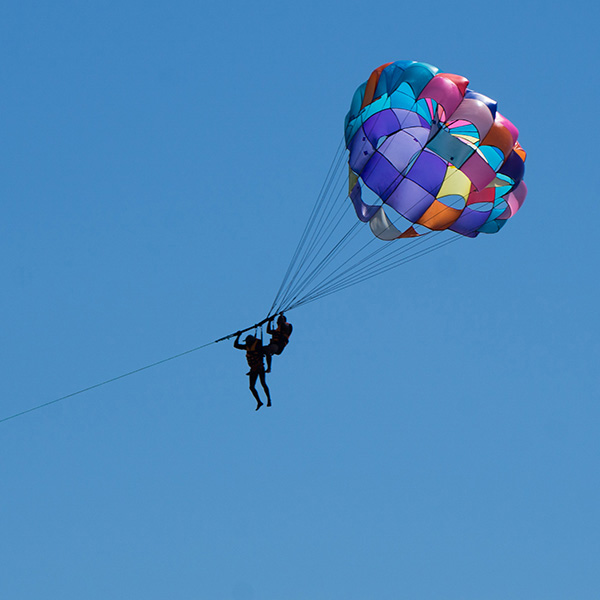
column 427, row 155
column 436, row 152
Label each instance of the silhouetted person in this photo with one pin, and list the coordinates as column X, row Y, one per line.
column 254, row 355
column 279, row 338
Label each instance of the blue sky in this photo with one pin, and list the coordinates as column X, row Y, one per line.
column 434, row 432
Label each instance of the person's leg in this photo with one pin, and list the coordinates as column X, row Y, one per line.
column 263, row 382
column 269, row 351
column 253, row 377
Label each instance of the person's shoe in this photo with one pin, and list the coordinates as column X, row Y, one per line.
column 258, row 404
column 269, row 403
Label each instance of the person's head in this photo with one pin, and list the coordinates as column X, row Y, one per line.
column 281, row 320
column 250, row 339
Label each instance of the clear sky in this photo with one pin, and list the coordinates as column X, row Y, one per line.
column 434, row 432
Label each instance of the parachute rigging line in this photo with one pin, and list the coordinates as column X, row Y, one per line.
column 310, row 236
column 139, row 370
column 317, row 295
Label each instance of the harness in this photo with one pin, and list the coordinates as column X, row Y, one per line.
column 281, row 336
column 254, row 355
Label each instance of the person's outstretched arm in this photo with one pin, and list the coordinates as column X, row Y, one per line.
column 236, row 342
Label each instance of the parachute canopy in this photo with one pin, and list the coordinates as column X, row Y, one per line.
column 427, row 155
column 432, row 153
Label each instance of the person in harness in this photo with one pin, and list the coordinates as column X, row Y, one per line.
column 254, row 355
column 279, row 338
